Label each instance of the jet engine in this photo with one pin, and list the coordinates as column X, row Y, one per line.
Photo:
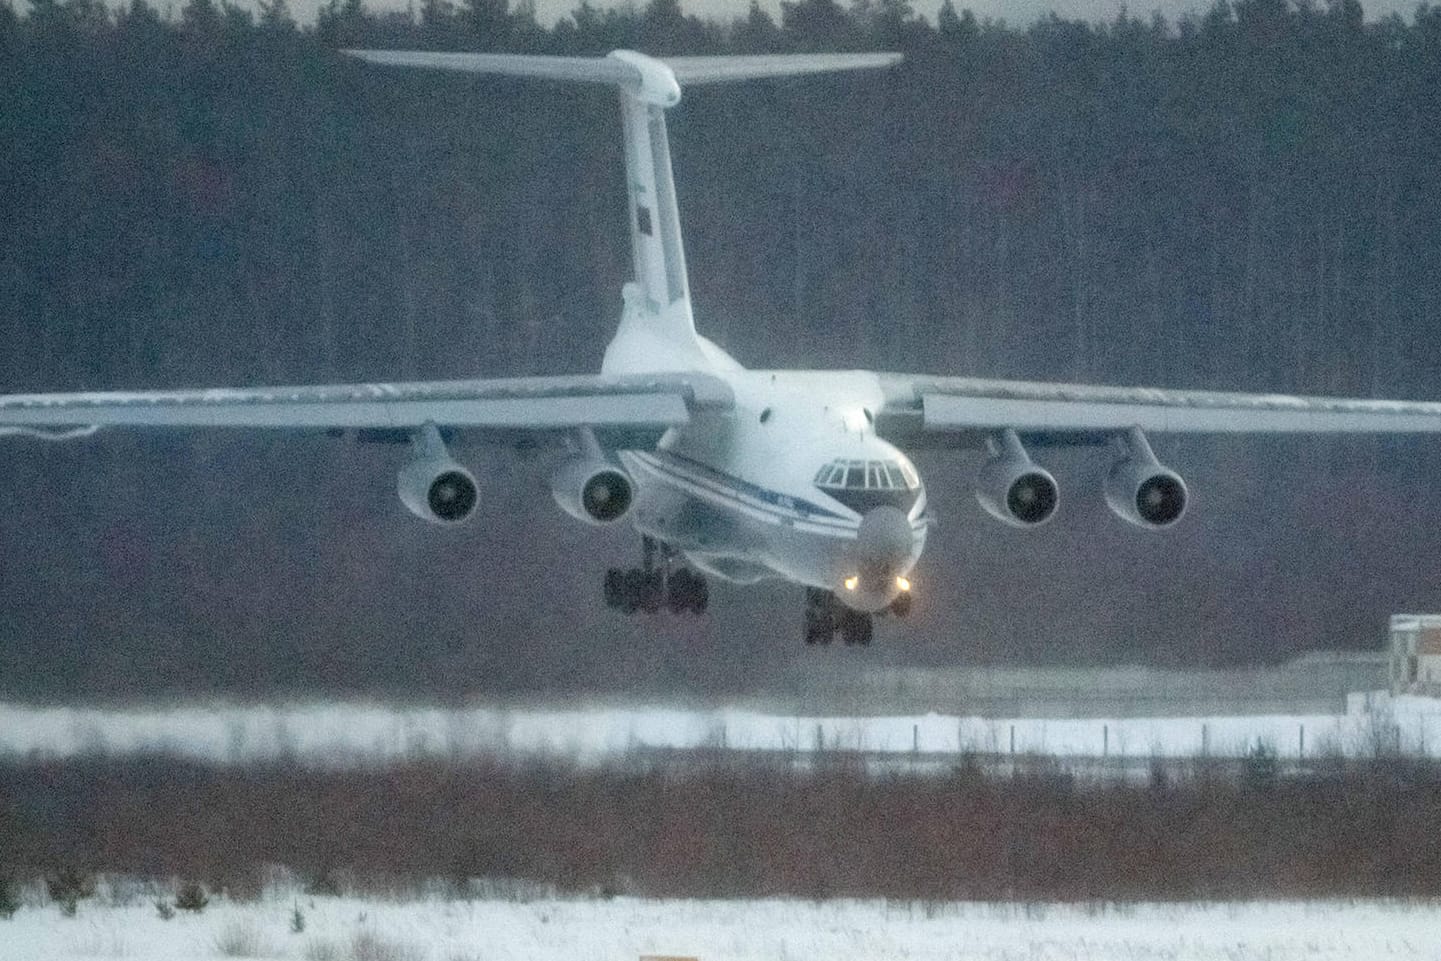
column 1142, row 491
column 1012, row 488
column 592, row 490
column 433, row 486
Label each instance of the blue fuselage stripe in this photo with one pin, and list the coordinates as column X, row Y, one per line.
column 744, row 493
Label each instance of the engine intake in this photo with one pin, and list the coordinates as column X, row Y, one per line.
column 592, row 490
column 432, row 486
column 1141, row 490
column 1012, row 488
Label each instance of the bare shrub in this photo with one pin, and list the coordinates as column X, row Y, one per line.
column 1261, row 768
column 165, row 909
column 369, row 946
column 322, row 950
column 67, row 887
column 9, row 899
column 241, row 939
column 192, row 897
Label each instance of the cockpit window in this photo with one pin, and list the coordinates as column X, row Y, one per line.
column 867, row 475
column 863, row 485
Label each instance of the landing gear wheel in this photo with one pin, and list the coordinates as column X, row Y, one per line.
column 614, row 588
column 820, row 616
column 857, row 628
column 652, row 591
column 659, row 584
column 687, row 591
column 681, row 591
column 633, row 590
column 901, row 606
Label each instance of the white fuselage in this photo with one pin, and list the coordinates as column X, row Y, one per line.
column 736, row 492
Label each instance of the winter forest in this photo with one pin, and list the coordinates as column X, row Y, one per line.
column 1249, row 198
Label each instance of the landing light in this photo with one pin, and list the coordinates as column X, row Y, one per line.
column 903, row 584
column 852, row 582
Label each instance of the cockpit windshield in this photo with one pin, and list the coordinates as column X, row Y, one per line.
column 884, row 475
column 863, row 485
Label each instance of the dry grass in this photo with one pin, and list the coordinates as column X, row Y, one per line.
column 369, row 946
column 242, row 939
column 322, row 950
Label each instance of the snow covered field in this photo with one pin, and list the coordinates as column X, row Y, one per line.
column 623, row 929
column 331, row 734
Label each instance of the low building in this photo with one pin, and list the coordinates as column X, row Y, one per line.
column 1416, row 654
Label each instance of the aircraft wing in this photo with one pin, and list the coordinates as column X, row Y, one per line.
column 509, row 404
column 923, row 411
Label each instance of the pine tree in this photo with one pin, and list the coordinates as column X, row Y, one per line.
column 487, row 21
column 275, row 15
column 757, row 33
column 956, row 28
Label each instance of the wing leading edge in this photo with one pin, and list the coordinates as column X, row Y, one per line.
column 519, row 404
column 959, row 411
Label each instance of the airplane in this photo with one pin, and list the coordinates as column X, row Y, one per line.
column 728, row 473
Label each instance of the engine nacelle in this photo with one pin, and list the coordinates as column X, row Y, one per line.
column 433, row 486
column 1012, row 488
column 592, row 490
column 1141, row 490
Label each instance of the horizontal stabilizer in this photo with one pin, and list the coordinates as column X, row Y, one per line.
column 585, row 69
column 689, row 70
column 655, row 80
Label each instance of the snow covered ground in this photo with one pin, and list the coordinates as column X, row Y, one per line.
column 623, row 929
column 341, row 733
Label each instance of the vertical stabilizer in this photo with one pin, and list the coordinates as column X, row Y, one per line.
column 657, row 329
column 657, row 252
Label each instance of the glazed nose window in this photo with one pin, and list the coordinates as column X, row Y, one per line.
column 864, row 484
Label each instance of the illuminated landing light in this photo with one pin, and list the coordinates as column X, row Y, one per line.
column 903, row 584
column 852, row 582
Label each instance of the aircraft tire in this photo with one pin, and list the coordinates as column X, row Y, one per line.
column 652, row 591
column 700, row 600
column 633, row 590
column 857, row 628
column 820, row 617
column 614, row 588
column 687, row 591
column 680, row 591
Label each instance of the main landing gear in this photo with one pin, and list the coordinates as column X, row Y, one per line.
column 655, row 585
column 826, row 617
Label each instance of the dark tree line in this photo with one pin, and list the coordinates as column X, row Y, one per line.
column 1250, row 198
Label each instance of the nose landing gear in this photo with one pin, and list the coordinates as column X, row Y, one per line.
column 826, row 617
column 655, row 586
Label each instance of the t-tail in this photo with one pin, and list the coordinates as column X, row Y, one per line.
column 657, row 329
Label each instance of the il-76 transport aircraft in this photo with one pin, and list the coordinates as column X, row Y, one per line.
column 725, row 472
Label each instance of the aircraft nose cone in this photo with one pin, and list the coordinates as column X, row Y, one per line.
column 882, row 549
column 884, row 540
